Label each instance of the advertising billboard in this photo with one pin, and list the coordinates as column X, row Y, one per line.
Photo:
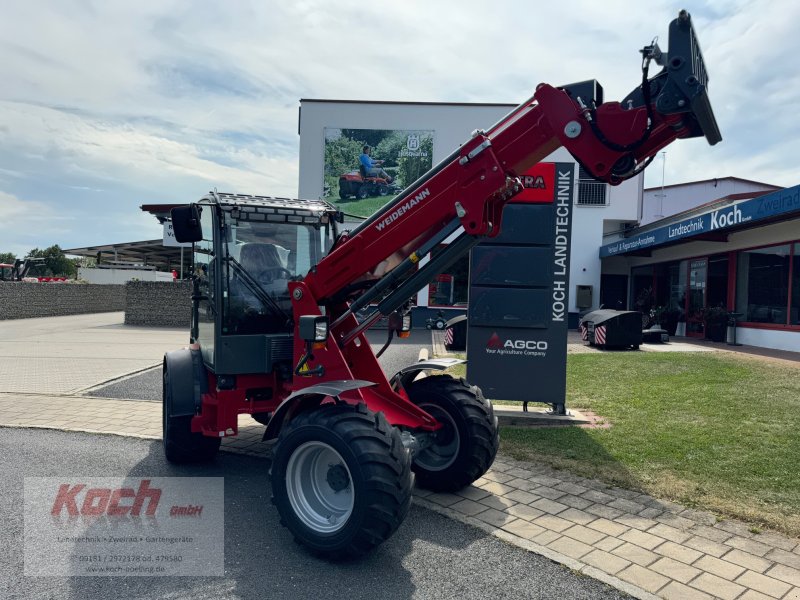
column 518, row 295
column 364, row 168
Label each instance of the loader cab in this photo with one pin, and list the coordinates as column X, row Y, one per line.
column 249, row 249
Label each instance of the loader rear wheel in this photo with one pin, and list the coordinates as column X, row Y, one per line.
column 341, row 479
column 181, row 445
column 467, row 443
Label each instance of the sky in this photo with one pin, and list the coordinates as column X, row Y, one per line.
column 108, row 105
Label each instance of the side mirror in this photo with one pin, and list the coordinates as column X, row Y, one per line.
column 186, row 223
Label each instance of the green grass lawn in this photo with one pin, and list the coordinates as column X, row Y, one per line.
column 709, row 430
column 360, row 208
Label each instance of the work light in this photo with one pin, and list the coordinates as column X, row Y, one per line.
column 313, row 328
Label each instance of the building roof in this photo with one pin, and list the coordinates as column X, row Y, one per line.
column 705, row 207
column 711, row 222
column 148, row 252
column 405, row 102
column 713, row 179
column 160, row 211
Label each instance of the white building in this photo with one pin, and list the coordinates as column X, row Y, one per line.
column 661, row 202
column 599, row 208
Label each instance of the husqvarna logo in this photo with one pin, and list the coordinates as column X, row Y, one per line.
column 413, row 142
column 726, row 218
column 515, row 347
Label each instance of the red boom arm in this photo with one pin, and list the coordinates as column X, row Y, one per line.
column 613, row 141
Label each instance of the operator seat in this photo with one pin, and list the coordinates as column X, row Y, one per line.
column 247, row 313
column 259, row 260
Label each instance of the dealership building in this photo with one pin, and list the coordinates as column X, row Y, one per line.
column 728, row 244
column 739, row 252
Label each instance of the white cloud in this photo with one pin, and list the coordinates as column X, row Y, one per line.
column 24, row 222
column 106, row 106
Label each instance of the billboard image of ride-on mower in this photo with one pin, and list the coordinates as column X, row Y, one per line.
column 365, row 168
column 356, row 184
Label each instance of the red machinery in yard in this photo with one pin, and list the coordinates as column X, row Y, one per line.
column 277, row 290
column 19, row 271
column 359, row 185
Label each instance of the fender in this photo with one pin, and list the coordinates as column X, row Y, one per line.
column 455, row 320
column 188, row 380
column 403, row 378
column 309, row 396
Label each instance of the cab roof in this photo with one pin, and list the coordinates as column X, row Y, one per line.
column 249, row 203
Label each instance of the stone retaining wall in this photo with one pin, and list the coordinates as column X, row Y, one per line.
column 158, row 304
column 22, row 300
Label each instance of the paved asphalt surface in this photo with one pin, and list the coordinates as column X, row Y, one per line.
column 429, row 557
column 401, row 353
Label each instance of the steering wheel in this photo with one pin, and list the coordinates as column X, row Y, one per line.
column 273, row 273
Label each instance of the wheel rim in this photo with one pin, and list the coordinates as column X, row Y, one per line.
column 319, row 487
column 441, row 454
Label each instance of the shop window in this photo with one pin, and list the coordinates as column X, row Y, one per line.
column 762, row 284
column 670, row 293
column 642, row 288
column 717, row 289
column 794, row 311
column 590, row 191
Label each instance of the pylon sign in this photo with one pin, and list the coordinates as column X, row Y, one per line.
column 518, row 294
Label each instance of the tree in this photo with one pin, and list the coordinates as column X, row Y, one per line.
column 341, row 156
column 56, row 264
column 370, row 137
column 7, row 258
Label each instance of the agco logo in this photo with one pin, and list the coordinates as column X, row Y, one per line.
column 496, row 345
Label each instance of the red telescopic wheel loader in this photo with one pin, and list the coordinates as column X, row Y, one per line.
column 277, row 291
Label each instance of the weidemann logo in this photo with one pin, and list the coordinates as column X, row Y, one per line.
column 402, row 209
column 516, row 347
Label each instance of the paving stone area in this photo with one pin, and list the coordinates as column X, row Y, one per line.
column 644, row 546
column 576, row 345
column 62, row 355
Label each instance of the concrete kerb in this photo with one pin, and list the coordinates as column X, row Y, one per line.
column 567, row 561
column 140, row 436
column 102, row 384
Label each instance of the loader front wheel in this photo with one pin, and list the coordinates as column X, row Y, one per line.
column 181, row 445
column 341, row 479
column 466, row 445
